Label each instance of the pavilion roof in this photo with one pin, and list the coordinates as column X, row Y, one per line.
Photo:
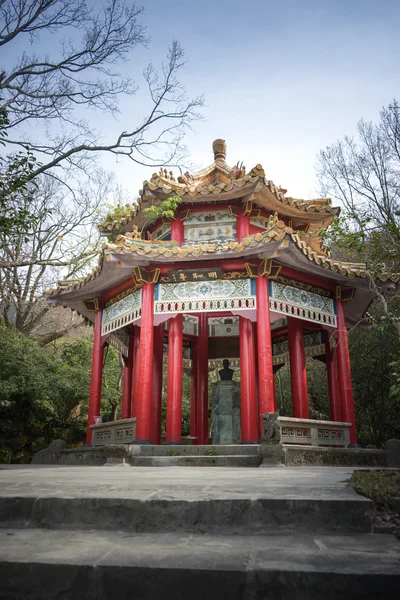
column 221, row 183
column 278, row 241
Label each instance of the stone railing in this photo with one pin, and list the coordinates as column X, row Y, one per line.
column 311, row 432
column 114, row 432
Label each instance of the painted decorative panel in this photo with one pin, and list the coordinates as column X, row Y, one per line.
column 120, row 341
column 223, row 327
column 281, row 344
column 302, row 304
column 203, row 227
column 163, row 232
column 125, row 311
column 261, row 222
column 190, row 325
column 302, row 297
column 205, row 289
column 205, row 296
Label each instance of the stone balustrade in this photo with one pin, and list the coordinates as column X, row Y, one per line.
column 114, row 432
column 312, row 432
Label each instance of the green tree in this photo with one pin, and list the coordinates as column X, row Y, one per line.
column 44, row 392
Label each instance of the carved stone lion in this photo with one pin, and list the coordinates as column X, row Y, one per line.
column 271, row 428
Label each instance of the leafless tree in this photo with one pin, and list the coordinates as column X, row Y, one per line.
column 44, row 93
column 364, row 177
column 62, row 241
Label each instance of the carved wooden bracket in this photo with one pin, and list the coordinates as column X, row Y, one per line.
column 91, row 305
column 141, row 275
column 265, row 269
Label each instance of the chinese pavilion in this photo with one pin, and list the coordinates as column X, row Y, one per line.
column 239, row 272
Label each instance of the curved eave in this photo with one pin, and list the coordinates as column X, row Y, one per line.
column 281, row 244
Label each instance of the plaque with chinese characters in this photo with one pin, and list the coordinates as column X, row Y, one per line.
column 195, row 275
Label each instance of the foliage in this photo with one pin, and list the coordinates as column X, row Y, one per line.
column 379, row 486
column 186, row 384
column 166, row 209
column 374, row 351
column 44, row 392
column 317, row 390
column 15, row 171
column 118, row 213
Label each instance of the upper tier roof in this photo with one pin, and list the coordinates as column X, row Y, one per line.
column 220, row 183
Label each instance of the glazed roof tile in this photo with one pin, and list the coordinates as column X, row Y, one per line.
column 277, row 231
column 199, row 185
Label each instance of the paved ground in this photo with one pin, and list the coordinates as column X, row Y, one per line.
column 183, row 483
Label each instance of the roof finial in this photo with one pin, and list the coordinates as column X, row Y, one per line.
column 219, row 148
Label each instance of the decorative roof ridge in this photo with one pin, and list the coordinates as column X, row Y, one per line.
column 277, row 231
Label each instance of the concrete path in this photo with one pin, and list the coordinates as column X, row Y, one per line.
column 183, row 483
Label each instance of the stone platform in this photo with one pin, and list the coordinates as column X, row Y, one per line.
column 146, row 533
column 232, row 455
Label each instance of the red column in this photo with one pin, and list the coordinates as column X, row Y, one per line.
column 177, row 231
column 156, row 396
column 127, row 380
column 298, row 372
column 242, row 227
column 136, row 366
column 202, row 381
column 95, row 377
column 248, row 401
column 332, row 374
column 174, row 390
column 145, row 379
column 266, row 392
column 193, row 393
column 344, row 372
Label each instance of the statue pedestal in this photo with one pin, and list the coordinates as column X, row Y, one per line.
column 225, row 415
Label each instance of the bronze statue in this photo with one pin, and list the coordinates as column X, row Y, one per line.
column 226, row 374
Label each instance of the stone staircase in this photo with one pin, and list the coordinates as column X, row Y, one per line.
column 244, row 534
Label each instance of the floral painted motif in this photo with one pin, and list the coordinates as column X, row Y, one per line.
column 122, row 307
column 205, row 289
column 301, row 297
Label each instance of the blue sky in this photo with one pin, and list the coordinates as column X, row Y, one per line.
column 281, row 80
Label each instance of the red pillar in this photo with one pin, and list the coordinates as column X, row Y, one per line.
column 193, row 393
column 156, row 395
column 344, row 372
column 248, row 400
column 174, row 390
column 145, row 379
column 136, row 366
column 332, row 374
column 298, row 372
column 95, row 377
column 202, row 381
column 177, row 231
column 266, row 393
column 242, row 227
column 127, row 380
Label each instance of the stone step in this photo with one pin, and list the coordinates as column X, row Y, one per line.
column 210, row 450
column 72, row 565
column 187, row 460
column 212, row 514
